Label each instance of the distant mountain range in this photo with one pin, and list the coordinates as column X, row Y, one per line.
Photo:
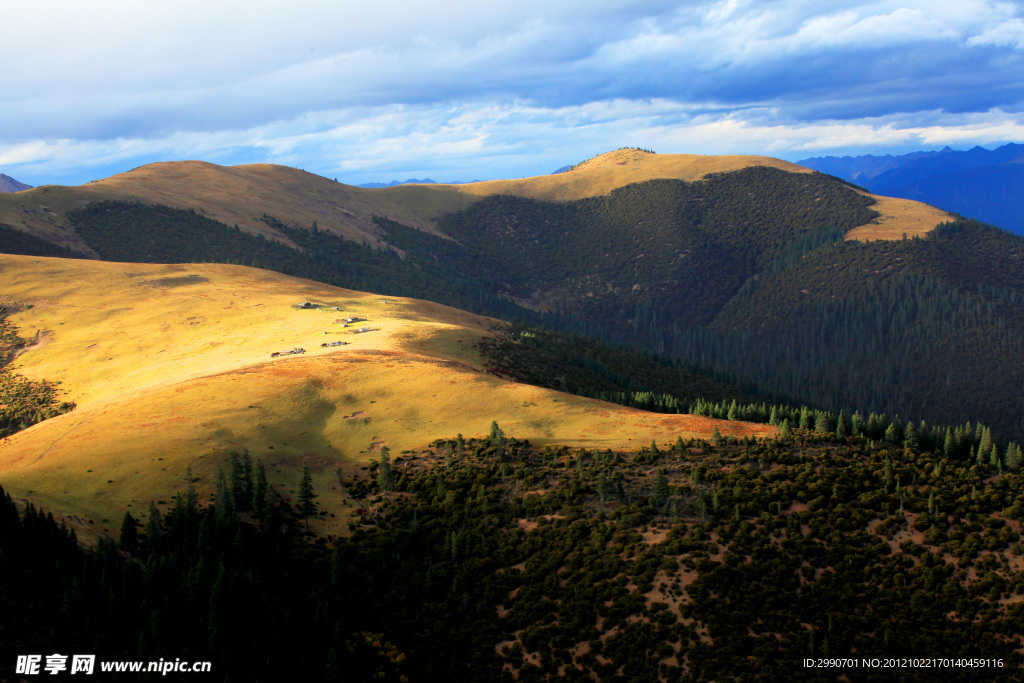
column 9, row 184
column 978, row 183
column 429, row 181
column 414, row 181
column 410, row 181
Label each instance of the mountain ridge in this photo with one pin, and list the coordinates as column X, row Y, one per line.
column 242, row 195
column 9, row 184
column 978, row 183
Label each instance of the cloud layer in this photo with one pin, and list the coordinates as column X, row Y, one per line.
column 463, row 90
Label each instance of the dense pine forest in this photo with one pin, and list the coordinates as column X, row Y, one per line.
column 488, row 559
column 17, row 242
column 661, row 384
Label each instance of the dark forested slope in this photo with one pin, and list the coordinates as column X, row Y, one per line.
column 688, row 246
column 930, row 328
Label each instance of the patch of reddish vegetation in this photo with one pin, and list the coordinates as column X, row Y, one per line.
column 654, row 536
column 701, row 424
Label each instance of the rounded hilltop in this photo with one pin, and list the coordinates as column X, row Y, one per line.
column 603, row 173
column 606, row 172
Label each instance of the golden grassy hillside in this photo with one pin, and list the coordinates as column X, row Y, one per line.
column 170, row 367
column 234, row 195
column 899, row 218
column 606, row 172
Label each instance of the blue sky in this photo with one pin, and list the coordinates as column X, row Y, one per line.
column 465, row 90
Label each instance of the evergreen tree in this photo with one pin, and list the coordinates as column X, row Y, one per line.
column 190, row 502
column 891, row 433
column 786, row 431
column 661, row 491
column 154, row 530
column 241, row 480
column 821, row 422
column 873, row 427
column 856, row 424
column 497, row 436
column 129, row 540
column 261, row 491
column 910, row 436
column 841, row 426
column 702, row 510
column 948, row 444
column 601, row 485
column 222, row 498
column 773, row 419
column 307, row 496
column 731, row 415
column 805, row 418
column 385, row 473
column 985, row 446
column 1013, row 457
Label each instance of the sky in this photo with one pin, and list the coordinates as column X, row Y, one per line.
column 456, row 90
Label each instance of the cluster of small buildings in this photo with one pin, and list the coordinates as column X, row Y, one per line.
column 296, row 351
column 306, row 305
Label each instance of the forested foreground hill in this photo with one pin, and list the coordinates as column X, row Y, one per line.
column 493, row 560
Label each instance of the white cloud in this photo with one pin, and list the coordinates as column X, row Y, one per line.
column 1007, row 34
column 352, row 88
column 470, row 140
